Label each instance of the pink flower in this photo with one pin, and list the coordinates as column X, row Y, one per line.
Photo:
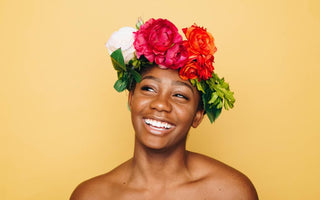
column 176, row 57
column 160, row 42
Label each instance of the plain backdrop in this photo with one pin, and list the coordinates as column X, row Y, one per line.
column 61, row 121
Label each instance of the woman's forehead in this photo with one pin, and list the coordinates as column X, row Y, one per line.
column 163, row 74
column 167, row 76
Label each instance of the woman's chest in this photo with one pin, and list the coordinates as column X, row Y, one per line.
column 184, row 193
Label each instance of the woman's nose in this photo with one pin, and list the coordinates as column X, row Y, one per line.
column 161, row 103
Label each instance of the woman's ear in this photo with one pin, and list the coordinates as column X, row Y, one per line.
column 198, row 118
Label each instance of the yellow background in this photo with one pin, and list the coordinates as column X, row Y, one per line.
column 61, row 121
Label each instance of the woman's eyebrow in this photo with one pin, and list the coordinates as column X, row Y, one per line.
column 179, row 83
column 183, row 84
column 152, row 78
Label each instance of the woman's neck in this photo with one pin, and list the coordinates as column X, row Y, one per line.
column 159, row 167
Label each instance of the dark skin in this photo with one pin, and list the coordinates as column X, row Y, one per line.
column 163, row 109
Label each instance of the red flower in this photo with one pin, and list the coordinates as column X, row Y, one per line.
column 199, row 41
column 201, row 68
column 201, row 47
column 206, row 66
column 189, row 71
column 159, row 41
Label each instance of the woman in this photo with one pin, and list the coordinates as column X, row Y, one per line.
column 171, row 87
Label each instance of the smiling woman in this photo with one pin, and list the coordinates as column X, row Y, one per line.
column 171, row 87
column 163, row 108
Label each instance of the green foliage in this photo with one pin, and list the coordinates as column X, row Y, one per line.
column 216, row 94
column 118, row 61
column 135, row 75
column 121, row 84
column 139, row 23
column 127, row 73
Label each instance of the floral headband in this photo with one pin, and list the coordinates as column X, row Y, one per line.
column 158, row 42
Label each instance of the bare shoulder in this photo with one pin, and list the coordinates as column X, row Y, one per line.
column 224, row 181
column 100, row 187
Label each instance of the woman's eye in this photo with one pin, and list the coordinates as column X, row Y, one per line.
column 181, row 96
column 146, row 88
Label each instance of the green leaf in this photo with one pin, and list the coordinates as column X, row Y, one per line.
column 120, row 74
column 200, row 86
column 135, row 63
column 229, row 95
column 204, row 100
column 217, row 113
column 213, row 114
column 139, row 23
column 193, row 82
column 118, row 60
column 230, row 104
column 210, row 116
column 214, row 97
column 219, row 106
column 121, row 84
column 226, row 105
column 137, row 77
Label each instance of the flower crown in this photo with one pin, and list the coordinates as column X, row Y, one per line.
column 158, row 42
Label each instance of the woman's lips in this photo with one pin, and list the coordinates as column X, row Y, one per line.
column 158, row 127
column 158, row 124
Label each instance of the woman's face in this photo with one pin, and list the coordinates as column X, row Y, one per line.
column 163, row 108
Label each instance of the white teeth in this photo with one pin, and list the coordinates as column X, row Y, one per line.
column 157, row 124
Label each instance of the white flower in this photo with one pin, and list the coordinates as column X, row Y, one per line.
column 123, row 38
